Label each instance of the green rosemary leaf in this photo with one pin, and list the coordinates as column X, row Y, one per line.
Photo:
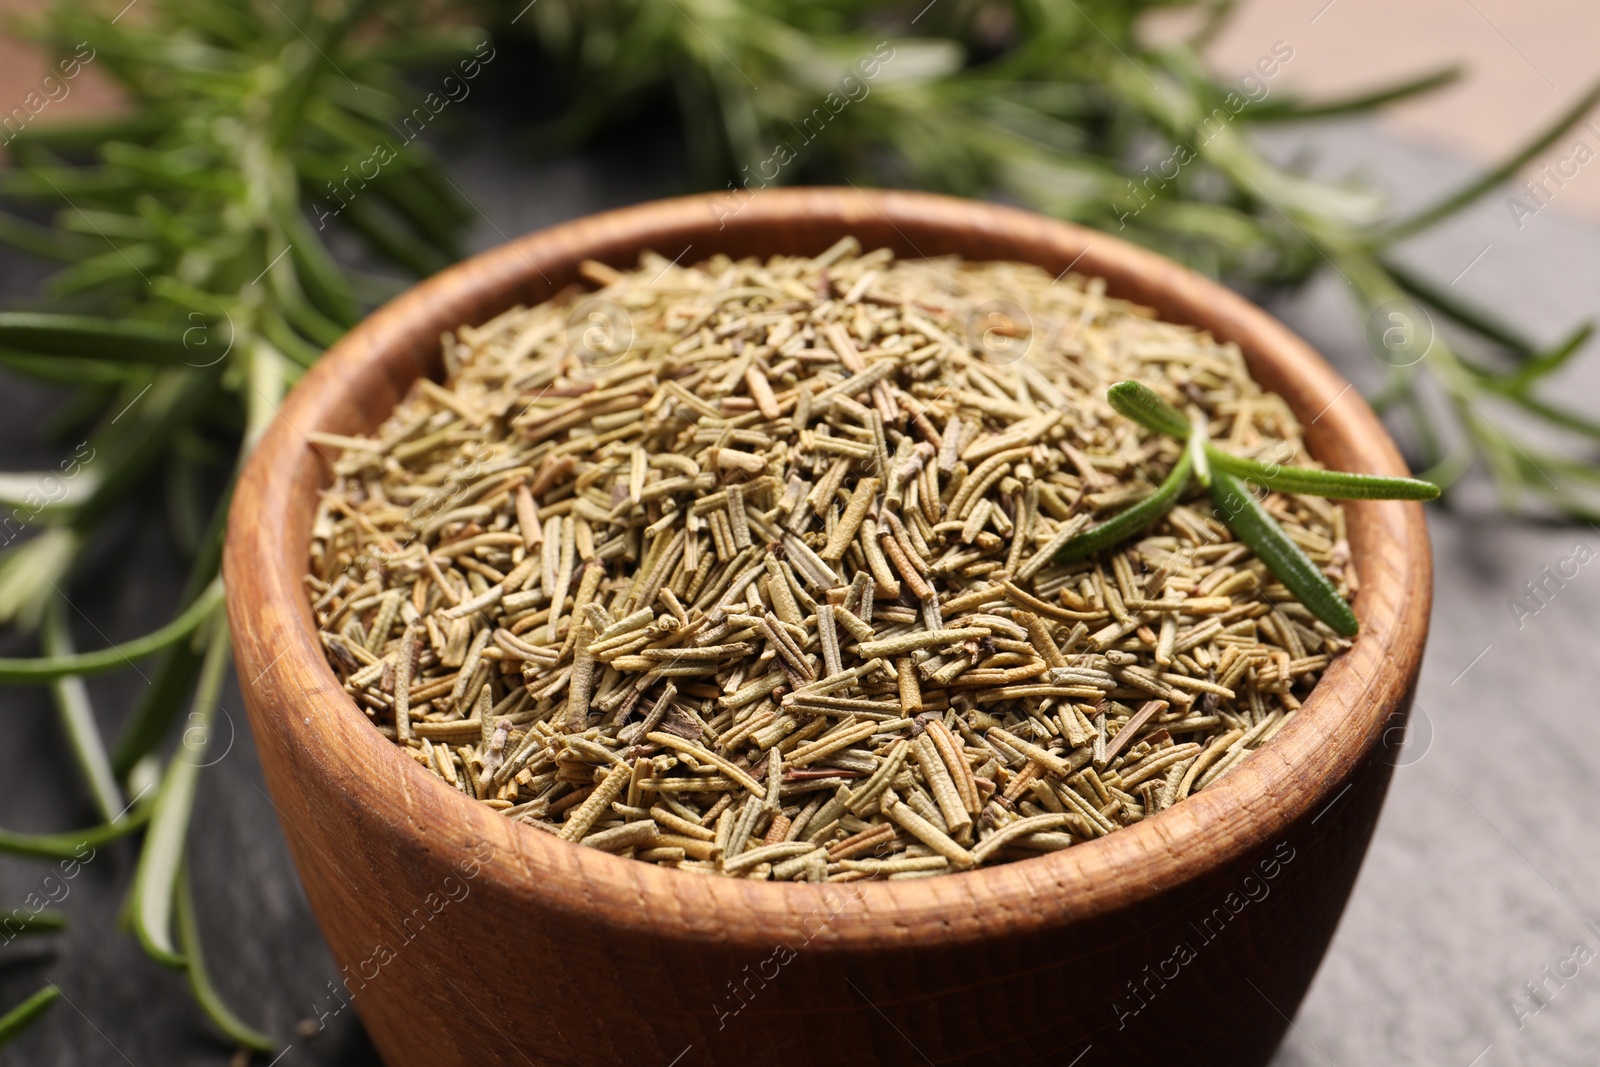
column 1544, row 364
column 1468, row 386
column 64, row 370
column 87, row 337
column 441, row 45
column 155, row 883
column 1216, row 16
column 291, row 344
column 28, row 490
column 114, row 275
column 205, row 993
column 328, row 290
column 1140, row 403
column 410, row 197
column 31, row 574
column 304, row 315
column 71, row 698
column 1199, row 448
column 388, row 232
column 1491, row 181
column 1295, row 110
column 42, row 181
column 1429, row 443
column 23, row 1015
column 1542, row 464
column 82, row 135
column 1561, row 417
column 304, row 66
column 1127, row 523
column 72, row 843
column 1335, row 485
column 123, row 655
column 1481, row 321
column 1246, row 517
column 21, row 921
column 42, row 241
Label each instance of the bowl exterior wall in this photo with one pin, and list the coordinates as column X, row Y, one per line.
column 448, row 969
column 466, row 940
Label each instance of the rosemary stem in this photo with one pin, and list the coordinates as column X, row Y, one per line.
column 154, row 885
column 21, row 921
column 72, row 843
column 117, row 656
column 71, row 698
column 23, row 1015
column 205, row 993
column 268, row 382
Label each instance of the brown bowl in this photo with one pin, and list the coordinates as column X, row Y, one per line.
column 469, row 940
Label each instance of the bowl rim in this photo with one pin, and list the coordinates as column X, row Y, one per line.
column 295, row 700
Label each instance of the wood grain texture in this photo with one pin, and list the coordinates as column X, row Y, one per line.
column 1192, row 934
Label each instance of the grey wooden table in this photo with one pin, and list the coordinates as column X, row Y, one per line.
column 1483, row 878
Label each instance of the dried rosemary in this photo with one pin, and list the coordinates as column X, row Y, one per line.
column 751, row 568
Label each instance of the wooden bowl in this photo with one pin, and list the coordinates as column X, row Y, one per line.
column 469, row 940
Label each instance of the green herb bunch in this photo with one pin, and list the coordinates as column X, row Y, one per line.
column 1223, row 474
column 198, row 287
column 1067, row 106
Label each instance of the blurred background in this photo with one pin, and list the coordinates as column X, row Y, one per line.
column 1468, row 210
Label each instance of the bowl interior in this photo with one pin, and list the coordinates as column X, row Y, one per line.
column 353, row 388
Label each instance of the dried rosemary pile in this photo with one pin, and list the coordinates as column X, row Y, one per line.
column 749, row 568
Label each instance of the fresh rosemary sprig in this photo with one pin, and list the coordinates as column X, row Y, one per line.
column 156, row 882
column 199, row 285
column 70, row 843
column 1222, row 474
column 23, row 1015
column 62, row 664
column 24, row 922
column 205, row 994
column 77, row 721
